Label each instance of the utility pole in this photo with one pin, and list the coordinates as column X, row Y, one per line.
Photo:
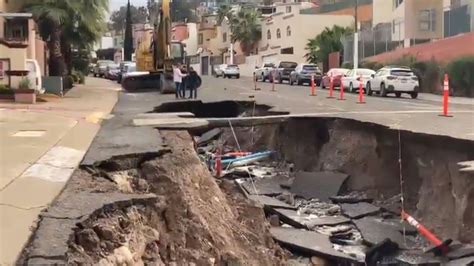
column 356, row 37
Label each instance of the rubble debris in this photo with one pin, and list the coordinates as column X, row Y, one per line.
column 245, row 160
column 315, row 206
column 359, row 210
column 266, row 186
column 352, row 197
column 209, row 136
column 301, row 220
column 417, row 257
column 461, row 252
column 374, row 231
column 309, row 242
column 270, row 202
column 384, row 248
column 320, row 185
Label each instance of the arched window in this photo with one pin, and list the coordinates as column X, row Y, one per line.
column 269, row 34
column 288, row 31
column 278, row 34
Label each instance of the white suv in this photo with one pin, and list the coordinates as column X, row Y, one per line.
column 395, row 80
column 231, row 71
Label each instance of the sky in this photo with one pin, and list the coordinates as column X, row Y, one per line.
column 116, row 4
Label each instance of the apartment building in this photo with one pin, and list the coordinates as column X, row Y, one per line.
column 286, row 32
column 18, row 42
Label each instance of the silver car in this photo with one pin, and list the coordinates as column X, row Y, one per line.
column 231, row 71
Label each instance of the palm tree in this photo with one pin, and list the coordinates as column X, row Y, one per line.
column 326, row 42
column 246, row 29
column 63, row 23
column 224, row 11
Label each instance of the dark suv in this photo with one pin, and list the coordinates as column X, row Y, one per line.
column 283, row 70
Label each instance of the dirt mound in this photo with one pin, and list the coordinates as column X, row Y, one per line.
column 190, row 223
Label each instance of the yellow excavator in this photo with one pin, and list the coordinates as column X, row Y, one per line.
column 155, row 56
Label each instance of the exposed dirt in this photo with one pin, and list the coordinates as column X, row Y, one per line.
column 434, row 189
column 192, row 222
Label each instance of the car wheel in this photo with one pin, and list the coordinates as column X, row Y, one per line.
column 298, row 81
column 291, row 81
column 398, row 94
column 322, row 85
column 383, row 91
column 369, row 89
column 414, row 95
column 280, row 80
column 351, row 88
column 238, row 76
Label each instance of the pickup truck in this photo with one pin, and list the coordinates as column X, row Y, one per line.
column 263, row 73
column 283, row 70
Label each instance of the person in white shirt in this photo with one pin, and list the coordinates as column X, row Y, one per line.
column 178, row 81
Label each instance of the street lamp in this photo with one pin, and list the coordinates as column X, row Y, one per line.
column 356, row 37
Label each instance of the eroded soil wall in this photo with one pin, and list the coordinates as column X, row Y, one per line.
column 434, row 189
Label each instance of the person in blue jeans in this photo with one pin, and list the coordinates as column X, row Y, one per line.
column 178, row 81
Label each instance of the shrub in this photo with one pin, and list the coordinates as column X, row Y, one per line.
column 371, row 65
column 461, row 76
column 25, row 83
column 5, row 90
column 68, row 82
column 429, row 74
column 78, row 77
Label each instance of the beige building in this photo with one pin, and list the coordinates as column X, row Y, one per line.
column 18, row 42
column 286, row 32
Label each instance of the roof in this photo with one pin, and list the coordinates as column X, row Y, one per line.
column 16, row 15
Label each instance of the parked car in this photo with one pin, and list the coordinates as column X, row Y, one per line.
column 263, row 73
column 112, row 71
column 101, row 67
column 351, row 80
column 34, row 75
column 395, row 80
column 303, row 73
column 128, row 69
column 219, row 70
column 336, row 74
column 231, row 71
column 283, row 70
column 122, row 69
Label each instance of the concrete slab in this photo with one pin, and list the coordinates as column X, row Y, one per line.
column 298, row 220
column 309, row 242
column 208, row 136
column 163, row 115
column 350, row 199
column 266, row 186
column 358, row 210
column 171, row 123
column 460, row 252
column 320, row 185
column 464, row 261
column 267, row 201
column 417, row 257
column 374, row 231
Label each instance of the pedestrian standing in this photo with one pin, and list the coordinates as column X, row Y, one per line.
column 184, row 84
column 194, row 82
column 178, row 80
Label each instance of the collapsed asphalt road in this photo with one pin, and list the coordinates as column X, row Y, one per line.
column 136, row 182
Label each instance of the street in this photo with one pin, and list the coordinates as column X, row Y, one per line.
column 418, row 115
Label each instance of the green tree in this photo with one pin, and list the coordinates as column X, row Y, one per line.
column 128, row 38
column 325, row 43
column 182, row 11
column 117, row 19
column 246, row 29
column 63, row 23
column 224, row 11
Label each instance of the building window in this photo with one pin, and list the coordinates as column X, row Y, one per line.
column 288, row 9
column 200, row 38
column 269, row 34
column 278, row 34
column 427, row 20
column 224, row 37
column 288, row 31
column 288, row 50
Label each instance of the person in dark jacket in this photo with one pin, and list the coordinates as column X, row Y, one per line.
column 193, row 82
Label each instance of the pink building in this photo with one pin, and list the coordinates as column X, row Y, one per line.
column 179, row 32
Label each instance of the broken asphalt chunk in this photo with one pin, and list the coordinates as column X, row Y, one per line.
column 309, row 242
column 374, row 231
column 461, row 252
column 265, row 186
column 350, row 199
column 270, row 202
column 377, row 252
column 300, row 220
column 320, row 185
column 359, row 210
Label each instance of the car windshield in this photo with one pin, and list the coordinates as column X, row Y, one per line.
column 340, row 71
column 310, row 68
column 402, row 72
column 131, row 68
column 288, row 64
column 367, row 72
column 268, row 65
column 232, row 66
column 114, row 67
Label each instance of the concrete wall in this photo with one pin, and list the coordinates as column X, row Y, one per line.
column 303, row 27
column 412, row 17
column 192, row 41
column 381, row 11
column 17, row 58
column 41, row 56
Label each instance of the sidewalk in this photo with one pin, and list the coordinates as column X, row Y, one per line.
column 41, row 145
